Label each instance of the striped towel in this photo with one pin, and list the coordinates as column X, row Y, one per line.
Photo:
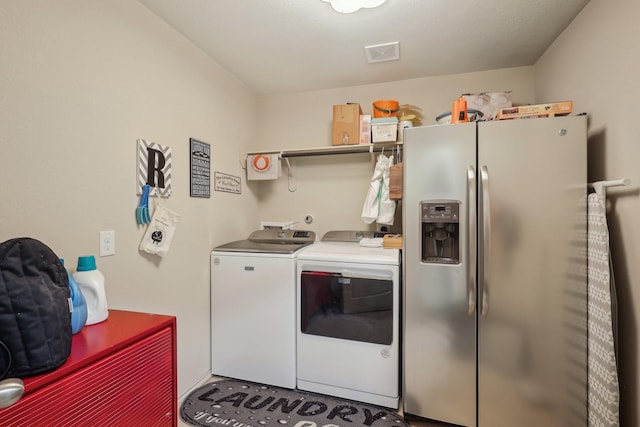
column 604, row 394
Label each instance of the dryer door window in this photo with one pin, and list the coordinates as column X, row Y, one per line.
column 342, row 306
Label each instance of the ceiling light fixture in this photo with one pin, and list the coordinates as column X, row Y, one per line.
column 350, row 6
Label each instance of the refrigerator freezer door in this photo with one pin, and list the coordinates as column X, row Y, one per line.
column 439, row 323
column 531, row 347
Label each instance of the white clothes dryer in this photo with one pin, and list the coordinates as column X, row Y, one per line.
column 348, row 319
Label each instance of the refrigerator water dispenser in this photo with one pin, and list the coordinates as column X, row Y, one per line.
column 440, row 238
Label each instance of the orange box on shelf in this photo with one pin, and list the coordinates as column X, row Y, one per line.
column 539, row 110
column 346, row 124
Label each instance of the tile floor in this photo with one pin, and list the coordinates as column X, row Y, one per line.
column 413, row 421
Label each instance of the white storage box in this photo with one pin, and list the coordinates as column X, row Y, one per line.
column 384, row 129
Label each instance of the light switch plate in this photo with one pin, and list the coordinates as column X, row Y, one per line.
column 107, row 243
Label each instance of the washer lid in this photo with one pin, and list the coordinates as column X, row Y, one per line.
column 351, row 235
column 274, row 235
column 271, row 241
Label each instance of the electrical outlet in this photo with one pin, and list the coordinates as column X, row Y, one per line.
column 107, row 243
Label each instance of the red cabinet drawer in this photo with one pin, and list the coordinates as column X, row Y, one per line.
column 132, row 386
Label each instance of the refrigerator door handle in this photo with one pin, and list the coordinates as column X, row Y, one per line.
column 472, row 229
column 486, row 241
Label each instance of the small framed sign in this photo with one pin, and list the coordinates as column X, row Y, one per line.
column 200, row 160
column 227, row 183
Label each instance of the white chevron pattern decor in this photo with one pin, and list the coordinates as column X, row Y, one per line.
column 154, row 168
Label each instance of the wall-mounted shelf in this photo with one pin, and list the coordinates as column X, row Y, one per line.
column 331, row 150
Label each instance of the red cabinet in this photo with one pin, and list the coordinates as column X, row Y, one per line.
column 120, row 372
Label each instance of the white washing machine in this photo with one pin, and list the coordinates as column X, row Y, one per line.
column 348, row 319
column 253, row 307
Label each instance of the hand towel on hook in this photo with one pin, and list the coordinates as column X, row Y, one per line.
column 263, row 166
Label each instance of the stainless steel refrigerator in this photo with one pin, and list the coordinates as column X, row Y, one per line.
column 494, row 273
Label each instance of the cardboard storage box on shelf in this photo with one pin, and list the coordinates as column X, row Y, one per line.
column 346, row 124
column 536, row 111
column 384, row 129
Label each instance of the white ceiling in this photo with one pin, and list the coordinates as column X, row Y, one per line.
column 280, row 46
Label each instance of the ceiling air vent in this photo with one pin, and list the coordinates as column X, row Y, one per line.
column 383, row 52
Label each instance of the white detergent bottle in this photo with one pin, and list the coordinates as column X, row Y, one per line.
column 91, row 282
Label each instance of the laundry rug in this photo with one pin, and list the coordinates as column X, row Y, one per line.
column 245, row 404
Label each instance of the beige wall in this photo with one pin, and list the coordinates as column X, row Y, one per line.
column 595, row 63
column 332, row 188
column 81, row 80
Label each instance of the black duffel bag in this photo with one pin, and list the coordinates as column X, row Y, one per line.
column 35, row 309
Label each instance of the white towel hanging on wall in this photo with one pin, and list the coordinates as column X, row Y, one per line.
column 377, row 205
column 263, row 166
